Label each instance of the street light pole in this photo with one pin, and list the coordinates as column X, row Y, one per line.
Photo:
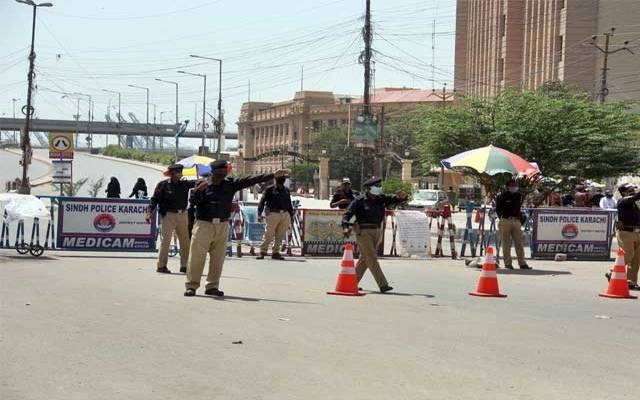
column 204, row 105
column 119, row 115
column 15, row 136
column 146, row 145
column 89, row 118
column 219, row 121
column 25, row 187
column 177, row 117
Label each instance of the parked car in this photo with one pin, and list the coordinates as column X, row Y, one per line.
column 428, row 200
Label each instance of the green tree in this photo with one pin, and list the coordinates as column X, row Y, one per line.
column 95, row 186
column 561, row 129
column 344, row 158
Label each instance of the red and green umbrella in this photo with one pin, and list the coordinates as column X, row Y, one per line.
column 492, row 161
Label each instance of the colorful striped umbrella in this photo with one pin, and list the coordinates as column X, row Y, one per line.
column 196, row 165
column 491, row 160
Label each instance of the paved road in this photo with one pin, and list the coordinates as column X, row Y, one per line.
column 111, row 328
column 10, row 168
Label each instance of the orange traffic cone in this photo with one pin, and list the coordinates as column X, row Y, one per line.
column 347, row 284
column 618, row 285
column 488, row 282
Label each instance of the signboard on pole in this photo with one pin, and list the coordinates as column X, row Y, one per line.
column 366, row 133
column 580, row 234
column 91, row 224
column 61, row 145
column 322, row 233
column 62, row 171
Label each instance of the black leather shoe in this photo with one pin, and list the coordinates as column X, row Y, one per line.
column 163, row 270
column 189, row 292
column 633, row 286
column 508, row 266
column 385, row 289
column 261, row 256
column 525, row 266
column 277, row 256
column 214, row 292
column 183, row 270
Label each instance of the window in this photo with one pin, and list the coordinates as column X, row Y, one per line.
column 317, row 126
column 560, row 47
column 333, row 123
column 503, row 24
column 501, row 70
column 343, row 122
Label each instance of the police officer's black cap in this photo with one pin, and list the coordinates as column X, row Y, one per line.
column 175, row 167
column 373, row 182
column 624, row 187
column 218, row 164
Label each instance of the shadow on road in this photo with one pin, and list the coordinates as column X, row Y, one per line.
column 30, row 258
column 254, row 299
column 537, row 272
column 428, row 296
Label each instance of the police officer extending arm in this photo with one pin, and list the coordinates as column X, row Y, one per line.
column 213, row 199
column 343, row 197
column 276, row 200
column 170, row 200
column 369, row 211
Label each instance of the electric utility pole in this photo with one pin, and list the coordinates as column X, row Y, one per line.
column 604, row 90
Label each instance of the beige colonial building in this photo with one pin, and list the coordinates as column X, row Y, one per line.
column 525, row 43
column 271, row 135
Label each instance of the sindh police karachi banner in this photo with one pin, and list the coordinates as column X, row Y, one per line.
column 580, row 234
column 105, row 225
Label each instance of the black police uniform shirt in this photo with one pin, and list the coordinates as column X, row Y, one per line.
column 629, row 212
column 276, row 199
column 340, row 195
column 508, row 204
column 171, row 196
column 369, row 210
column 215, row 200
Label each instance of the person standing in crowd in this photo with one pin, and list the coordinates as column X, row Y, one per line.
column 595, row 199
column 508, row 209
column 113, row 188
column 581, row 197
column 213, row 199
column 369, row 212
column 555, row 198
column 608, row 202
column 170, row 200
column 139, row 189
column 344, row 196
column 628, row 232
column 276, row 202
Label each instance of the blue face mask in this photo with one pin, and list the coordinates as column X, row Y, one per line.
column 514, row 189
column 375, row 190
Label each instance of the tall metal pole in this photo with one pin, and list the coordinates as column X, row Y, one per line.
column 367, row 57
column 204, row 110
column 177, row 117
column 604, row 90
column 15, row 136
column 25, row 186
column 146, row 145
column 218, row 127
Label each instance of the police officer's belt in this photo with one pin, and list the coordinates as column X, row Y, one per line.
column 635, row 229
column 275, row 210
column 214, row 220
column 180, row 211
column 368, row 226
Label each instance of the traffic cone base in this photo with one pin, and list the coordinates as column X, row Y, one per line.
column 618, row 286
column 347, row 284
column 488, row 282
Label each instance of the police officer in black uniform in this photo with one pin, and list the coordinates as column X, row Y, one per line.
column 213, row 199
column 628, row 231
column 369, row 210
column 170, row 200
column 343, row 197
column 508, row 209
column 276, row 202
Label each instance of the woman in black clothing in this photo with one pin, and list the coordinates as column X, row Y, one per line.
column 139, row 189
column 113, row 188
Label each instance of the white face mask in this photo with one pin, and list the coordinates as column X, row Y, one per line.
column 376, row 190
column 287, row 183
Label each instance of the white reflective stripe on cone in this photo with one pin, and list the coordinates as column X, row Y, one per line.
column 490, row 259
column 618, row 275
column 619, row 261
column 347, row 271
column 489, row 274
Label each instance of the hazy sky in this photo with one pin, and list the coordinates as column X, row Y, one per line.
column 89, row 45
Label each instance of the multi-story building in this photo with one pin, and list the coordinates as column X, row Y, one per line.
column 524, row 43
column 270, row 134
